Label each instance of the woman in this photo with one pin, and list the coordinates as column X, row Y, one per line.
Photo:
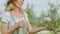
column 15, row 19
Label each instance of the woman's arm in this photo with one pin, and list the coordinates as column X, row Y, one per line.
column 5, row 29
column 32, row 31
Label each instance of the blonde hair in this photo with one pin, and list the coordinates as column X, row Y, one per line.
column 10, row 6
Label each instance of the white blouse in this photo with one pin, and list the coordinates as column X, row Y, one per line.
column 8, row 19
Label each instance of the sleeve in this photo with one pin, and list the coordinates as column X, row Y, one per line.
column 5, row 18
column 26, row 16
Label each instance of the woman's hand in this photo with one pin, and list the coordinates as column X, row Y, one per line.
column 22, row 24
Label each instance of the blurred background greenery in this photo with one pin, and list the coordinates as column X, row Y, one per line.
column 52, row 19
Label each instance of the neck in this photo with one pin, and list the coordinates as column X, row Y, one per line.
column 15, row 10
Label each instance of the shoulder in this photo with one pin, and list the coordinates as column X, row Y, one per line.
column 6, row 14
column 26, row 16
column 25, row 13
column 6, row 17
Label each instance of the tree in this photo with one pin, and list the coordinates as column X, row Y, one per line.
column 53, row 14
column 30, row 13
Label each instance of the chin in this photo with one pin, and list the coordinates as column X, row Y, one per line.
column 19, row 6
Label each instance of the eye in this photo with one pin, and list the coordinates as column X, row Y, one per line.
column 23, row 0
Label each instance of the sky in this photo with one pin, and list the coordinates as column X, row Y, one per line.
column 42, row 5
column 38, row 5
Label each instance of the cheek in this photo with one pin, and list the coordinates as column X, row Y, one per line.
column 20, row 1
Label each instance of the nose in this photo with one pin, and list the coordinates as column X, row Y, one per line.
column 22, row 2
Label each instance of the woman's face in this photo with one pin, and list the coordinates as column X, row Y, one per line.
column 19, row 3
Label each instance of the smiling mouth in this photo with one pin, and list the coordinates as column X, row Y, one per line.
column 20, row 4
